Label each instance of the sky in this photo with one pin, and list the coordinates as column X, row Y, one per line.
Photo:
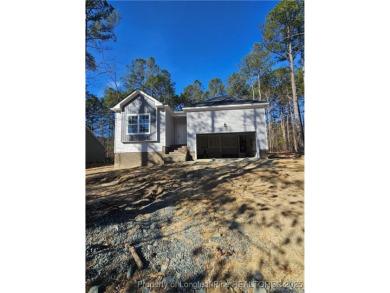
column 192, row 40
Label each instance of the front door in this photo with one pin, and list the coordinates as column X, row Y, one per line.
column 181, row 131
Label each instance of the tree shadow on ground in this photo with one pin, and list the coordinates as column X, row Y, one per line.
column 137, row 199
column 119, row 196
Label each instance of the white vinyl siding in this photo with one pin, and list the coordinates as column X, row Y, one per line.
column 139, row 129
column 129, row 147
column 227, row 121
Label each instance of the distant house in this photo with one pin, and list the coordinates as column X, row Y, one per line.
column 150, row 132
column 94, row 150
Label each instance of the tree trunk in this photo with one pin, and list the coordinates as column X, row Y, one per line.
column 253, row 89
column 288, row 134
column 258, row 83
column 101, row 128
column 301, row 121
column 282, row 129
column 299, row 130
column 270, row 133
column 294, row 133
column 267, row 112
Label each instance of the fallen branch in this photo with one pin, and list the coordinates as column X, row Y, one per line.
column 137, row 259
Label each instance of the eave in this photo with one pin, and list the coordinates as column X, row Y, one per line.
column 118, row 107
column 226, row 107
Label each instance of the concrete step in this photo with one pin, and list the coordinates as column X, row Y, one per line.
column 173, row 148
column 175, row 156
column 179, row 150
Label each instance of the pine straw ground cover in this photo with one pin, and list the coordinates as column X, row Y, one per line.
column 196, row 221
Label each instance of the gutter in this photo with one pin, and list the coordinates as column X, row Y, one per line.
column 189, row 109
column 243, row 106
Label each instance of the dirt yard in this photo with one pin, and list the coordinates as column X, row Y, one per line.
column 204, row 221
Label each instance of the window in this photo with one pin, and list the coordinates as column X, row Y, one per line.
column 138, row 124
column 133, row 124
column 144, row 123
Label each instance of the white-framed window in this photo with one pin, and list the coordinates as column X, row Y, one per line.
column 138, row 123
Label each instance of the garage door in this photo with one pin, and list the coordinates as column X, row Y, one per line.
column 226, row 145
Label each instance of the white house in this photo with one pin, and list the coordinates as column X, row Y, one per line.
column 150, row 132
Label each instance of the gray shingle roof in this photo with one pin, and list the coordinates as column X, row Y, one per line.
column 224, row 100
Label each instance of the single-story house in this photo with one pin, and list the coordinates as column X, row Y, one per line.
column 95, row 151
column 150, row 132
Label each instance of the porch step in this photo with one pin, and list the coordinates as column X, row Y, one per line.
column 174, row 158
column 179, row 151
column 176, row 154
column 173, row 148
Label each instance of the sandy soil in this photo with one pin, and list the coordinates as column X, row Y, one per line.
column 256, row 202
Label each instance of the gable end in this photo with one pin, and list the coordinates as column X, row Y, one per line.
column 139, row 105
